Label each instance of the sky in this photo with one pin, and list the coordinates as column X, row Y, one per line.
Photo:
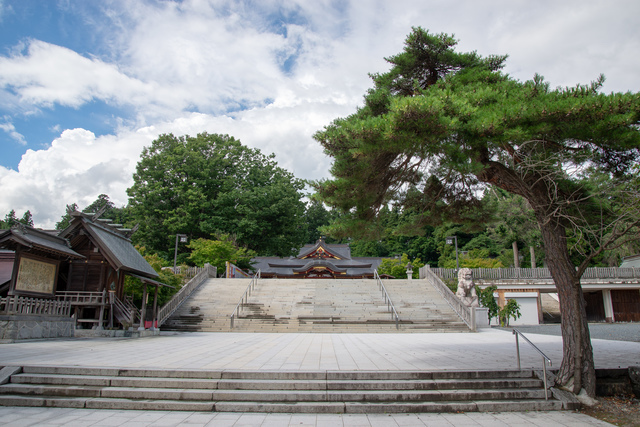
column 86, row 84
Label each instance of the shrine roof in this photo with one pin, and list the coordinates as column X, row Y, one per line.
column 35, row 239
column 340, row 251
column 342, row 263
column 319, row 263
column 113, row 243
column 632, row 261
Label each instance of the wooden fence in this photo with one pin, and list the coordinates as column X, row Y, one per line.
column 188, row 272
column 593, row 273
column 40, row 306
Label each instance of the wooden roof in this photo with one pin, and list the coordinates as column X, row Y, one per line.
column 37, row 240
column 113, row 243
column 319, row 256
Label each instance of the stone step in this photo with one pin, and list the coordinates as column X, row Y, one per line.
column 276, row 391
column 106, row 403
column 388, row 408
column 271, row 395
column 190, row 374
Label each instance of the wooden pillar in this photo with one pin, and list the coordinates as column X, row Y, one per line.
column 111, row 294
column 608, row 306
column 103, row 303
column 16, row 267
column 154, row 317
column 143, row 311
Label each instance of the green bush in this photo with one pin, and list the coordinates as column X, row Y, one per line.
column 217, row 252
column 133, row 286
column 398, row 267
column 488, row 300
column 510, row 309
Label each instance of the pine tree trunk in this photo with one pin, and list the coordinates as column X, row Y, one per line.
column 577, row 369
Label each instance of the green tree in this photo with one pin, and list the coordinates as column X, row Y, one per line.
column 133, row 286
column 512, row 220
column 440, row 126
column 65, row 221
column 115, row 214
column 218, row 252
column 488, row 300
column 27, row 219
column 476, row 258
column 397, row 267
column 212, row 184
column 511, row 309
column 11, row 219
column 317, row 216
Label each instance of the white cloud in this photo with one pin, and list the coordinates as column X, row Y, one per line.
column 232, row 67
column 10, row 129
column 48, row 74
column 76, row 168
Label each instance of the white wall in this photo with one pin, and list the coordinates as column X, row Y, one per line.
column 528, row 302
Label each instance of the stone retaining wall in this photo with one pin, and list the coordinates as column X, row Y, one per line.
column 26, row 327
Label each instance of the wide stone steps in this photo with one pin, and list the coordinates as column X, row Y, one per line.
column 320, row 306
column 276, row 391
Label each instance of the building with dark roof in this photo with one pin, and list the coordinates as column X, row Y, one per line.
column 108, row 256
column 320, row 260
column 84, row 265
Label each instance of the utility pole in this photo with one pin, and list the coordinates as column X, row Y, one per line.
column 450, row 240
column 183, row 239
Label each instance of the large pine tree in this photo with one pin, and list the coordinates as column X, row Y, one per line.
column 441, row 125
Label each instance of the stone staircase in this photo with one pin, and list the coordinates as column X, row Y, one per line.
column 209, row 307
column 422, row 308
column 263, row 391
column 321, row 305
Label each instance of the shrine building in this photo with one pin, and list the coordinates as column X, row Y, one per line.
column 79, row 272
column 320, row 260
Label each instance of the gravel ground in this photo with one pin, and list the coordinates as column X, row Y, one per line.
column 602, row 331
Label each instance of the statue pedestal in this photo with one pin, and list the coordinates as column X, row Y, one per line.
column 482, row 317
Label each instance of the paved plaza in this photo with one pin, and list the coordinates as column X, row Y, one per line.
column 489, row 349
column 44, row 417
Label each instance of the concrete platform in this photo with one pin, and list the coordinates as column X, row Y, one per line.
column 487, row 349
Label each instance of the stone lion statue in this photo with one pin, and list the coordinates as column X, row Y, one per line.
column 466, row 288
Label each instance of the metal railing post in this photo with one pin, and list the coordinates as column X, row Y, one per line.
column 545, row 358
column 518, row 352
column 244, row 297
column 390, row 307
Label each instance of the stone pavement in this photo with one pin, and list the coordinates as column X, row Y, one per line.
column 490, row 349
column 44, row 417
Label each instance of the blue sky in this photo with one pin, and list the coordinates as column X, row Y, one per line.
column 86, row 84
column 35, row 127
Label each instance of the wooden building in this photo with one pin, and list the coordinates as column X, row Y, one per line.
column 84, row 265
column 320, row 260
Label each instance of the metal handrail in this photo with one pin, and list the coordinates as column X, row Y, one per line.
column 245, row 296
column 545, row 358
column 390, row 307
column 181, row 296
